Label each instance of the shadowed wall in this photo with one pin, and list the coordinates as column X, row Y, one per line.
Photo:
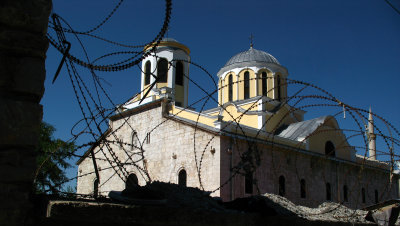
column 23, row 46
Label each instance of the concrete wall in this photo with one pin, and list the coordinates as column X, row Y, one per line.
column 101, row 214
column 23, row 46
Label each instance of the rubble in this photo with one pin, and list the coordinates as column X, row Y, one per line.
column 267, row 204
column 327, row 211
column 178, row 196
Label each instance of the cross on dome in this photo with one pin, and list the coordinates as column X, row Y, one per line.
column 251, row 40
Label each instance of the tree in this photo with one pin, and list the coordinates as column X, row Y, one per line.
column 52, row 156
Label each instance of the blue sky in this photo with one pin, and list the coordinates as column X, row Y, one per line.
column 350, row 48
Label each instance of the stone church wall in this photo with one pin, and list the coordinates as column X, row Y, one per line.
column 316, row 170
column 170, row 149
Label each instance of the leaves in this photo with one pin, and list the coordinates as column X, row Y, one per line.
column 52, row 156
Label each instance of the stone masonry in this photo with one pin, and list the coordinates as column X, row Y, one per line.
column 171, row 146
column 23, row 46
column 316, row 171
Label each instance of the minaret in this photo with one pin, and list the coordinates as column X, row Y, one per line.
column 371, row 137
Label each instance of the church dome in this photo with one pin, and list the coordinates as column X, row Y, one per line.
column 169, row 40
column 252, row 55
column 249, row 58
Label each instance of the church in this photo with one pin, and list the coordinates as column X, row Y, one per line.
column 252, row 142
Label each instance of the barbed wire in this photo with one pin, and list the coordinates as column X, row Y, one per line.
column 130, row 62
column 123, row 147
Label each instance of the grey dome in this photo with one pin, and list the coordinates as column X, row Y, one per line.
column 169, row 40
column 252, row 55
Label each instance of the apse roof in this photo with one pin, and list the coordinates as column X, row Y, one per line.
column 302, row 129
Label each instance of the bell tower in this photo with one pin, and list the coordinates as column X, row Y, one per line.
column 168, row 62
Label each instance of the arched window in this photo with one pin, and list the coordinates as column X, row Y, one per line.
column 363, row 195
column 328, row 192
column 345, row 197
column 376, row 196
column 278, row 87
column 147, row 72
column 248, row 183
column 302, row 188
column 264, row 83
column 179, row 73
column 230, row 88
column 246, row 86
column 329, row 149
column 221, row 91
column 281, row 191
column 162, row 70
column 132, row 181
column 182, row 177
column 134, row 140
column 96, row 188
